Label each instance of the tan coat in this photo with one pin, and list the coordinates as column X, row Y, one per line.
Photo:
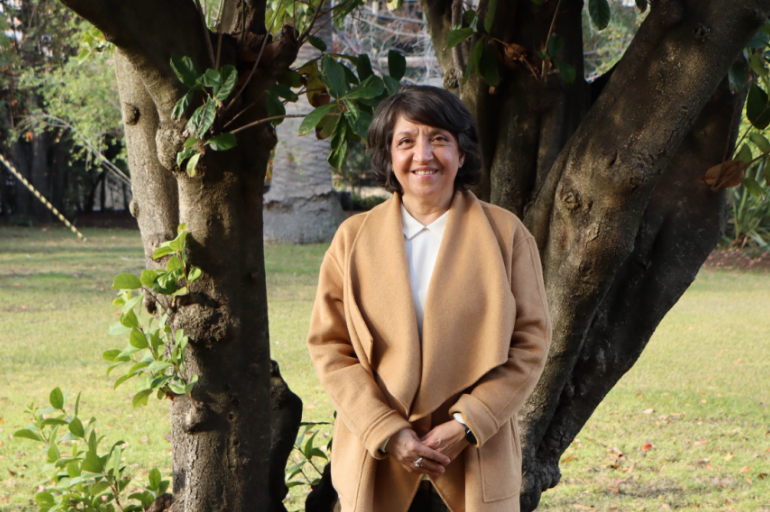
column 485, row 340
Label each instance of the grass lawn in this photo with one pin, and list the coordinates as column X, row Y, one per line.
column 687, row 428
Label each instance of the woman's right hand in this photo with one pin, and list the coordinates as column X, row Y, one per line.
column 407, row 448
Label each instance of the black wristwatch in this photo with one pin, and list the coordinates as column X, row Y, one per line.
column 469, row 435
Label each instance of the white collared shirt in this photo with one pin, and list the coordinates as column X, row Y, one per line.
column 422, row 246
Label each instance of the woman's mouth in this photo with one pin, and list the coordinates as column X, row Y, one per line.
column 425, row 172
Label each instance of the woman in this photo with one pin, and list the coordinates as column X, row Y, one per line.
column 430, row 326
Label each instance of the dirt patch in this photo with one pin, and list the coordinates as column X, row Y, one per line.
column 732, row 259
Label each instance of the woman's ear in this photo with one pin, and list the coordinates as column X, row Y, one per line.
column 462, row 159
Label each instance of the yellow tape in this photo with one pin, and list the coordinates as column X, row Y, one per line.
column 42, row 199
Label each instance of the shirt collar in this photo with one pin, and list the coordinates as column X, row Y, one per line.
column 412, row 226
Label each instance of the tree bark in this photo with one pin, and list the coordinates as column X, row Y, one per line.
column 231, row 432
column 588, row 178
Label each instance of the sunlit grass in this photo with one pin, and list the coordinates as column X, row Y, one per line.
column 705, row 376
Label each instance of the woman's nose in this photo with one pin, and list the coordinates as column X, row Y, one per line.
column 423, row 151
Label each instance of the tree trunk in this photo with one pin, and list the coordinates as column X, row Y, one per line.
column 230, row 434
column 599, row 177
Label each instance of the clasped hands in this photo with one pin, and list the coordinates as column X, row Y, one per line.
column 434, row 451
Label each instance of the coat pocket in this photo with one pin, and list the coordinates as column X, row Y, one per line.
column 500, row 465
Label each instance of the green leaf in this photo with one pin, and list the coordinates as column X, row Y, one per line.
column 137, row 339
column 760, row 141
column 131, row 304
column 148, row 278
column 162, row 251
column 290, row 79
column 394, row 5
column 155, row 479
column 141, row 397
column 737, row 76
column 203, row 118
column 182, row 105
column 159, row 366
column 119, row 301
column 229, row 78
column 457, row 36
column 194, row 275
column 744, row 155
column 488, row 66
column 192, row 164
column 77, row 404
column 391, row 84
column 118, row 329
column 334, row 76
column 555, row 45
column 186, row 70
column 126, row 282
column 123, row 379
column 364, row 67
column 29, row 432
column 754, row 188
column 471, row 18
column 53, row 453
column 339, row 143
column 317, row 42
column 361, row 125
column 600, row 13
column 99, row 487
column 92, row 463
column 491, row 8
column 313, row 118
column 371, row 89
column 566, row 71
column 56, row 398
column 475, row 58
column 211, row 79
column 757, row 110
column 283, row 92
column 129, row 319
column 76, row 428
column 275, row 108
column 54, row 421
column 110, row 355
column 396, row 64
column 45, row 499
column 186, row 153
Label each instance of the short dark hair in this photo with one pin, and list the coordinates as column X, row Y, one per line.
column 431, row 106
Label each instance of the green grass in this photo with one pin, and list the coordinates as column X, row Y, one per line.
column 699, row 395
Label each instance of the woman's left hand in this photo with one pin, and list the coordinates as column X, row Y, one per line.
column 447, row 438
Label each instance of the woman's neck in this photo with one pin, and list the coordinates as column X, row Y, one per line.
column 425, row 212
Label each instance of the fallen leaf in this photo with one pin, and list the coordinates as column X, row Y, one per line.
column 738, row 360
column 12, row 473
column 648, row 411
column 568, row 459
column 646, row 447
column 748, row 480
column 701, row 443
column 143, row 440
column 762, row 476
column 709, row 467
column 614, row 489
column 744, row 469
column 729, row 456
column 703, row 461
column 665, row 506
column 583, row 507
column 703, row 400
column 167, row 437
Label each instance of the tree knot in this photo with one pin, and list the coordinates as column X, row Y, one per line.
column 702, row 33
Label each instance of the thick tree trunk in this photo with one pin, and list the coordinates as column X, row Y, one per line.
column 589, row 181
column 230, row 434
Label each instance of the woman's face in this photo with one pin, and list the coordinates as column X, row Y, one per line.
column 425, row 161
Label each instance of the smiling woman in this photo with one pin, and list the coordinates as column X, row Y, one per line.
column 430, row 326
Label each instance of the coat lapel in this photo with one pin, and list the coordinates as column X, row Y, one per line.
column 469, row 310
column 380, row 287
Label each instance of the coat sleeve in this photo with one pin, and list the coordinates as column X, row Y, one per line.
column 359, row 402
column 499, row 394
